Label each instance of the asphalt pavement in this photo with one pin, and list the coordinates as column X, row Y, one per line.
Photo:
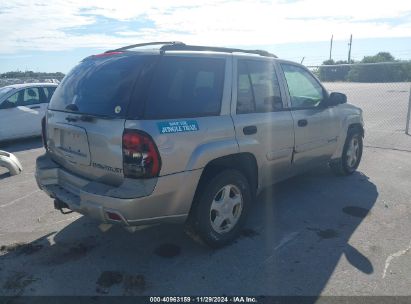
column 316, row 234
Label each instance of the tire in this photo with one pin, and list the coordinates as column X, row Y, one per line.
column 220, row 208
column 351, row 156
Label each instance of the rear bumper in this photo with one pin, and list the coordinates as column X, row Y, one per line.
column 137, row 202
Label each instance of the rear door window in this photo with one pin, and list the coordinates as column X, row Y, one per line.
column 185, row 87
column 258, row 89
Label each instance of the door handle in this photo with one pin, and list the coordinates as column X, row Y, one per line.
column 302, row 122
column 71, row 119
column 35, row 107
column 248, row 130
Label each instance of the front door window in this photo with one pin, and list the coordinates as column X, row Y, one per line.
column 304, row 89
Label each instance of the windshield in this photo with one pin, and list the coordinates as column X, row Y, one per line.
column 4, row 91
column 99, row 85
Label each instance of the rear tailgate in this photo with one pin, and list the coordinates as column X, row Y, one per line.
column 86, row 116
column 88, row 148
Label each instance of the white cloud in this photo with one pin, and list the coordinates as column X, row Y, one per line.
column 42, row 25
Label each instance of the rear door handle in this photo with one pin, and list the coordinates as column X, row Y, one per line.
column 302, row 122
column 248, row 130
column 35, row 107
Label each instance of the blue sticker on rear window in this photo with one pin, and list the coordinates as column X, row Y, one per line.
column 177, row 126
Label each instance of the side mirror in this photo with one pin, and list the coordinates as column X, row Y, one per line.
column 335, row 99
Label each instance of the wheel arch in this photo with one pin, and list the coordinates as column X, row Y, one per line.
column 244, row 162
column 351, row 122
column 356, row 126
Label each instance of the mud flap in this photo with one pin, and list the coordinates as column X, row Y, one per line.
column 10, row 162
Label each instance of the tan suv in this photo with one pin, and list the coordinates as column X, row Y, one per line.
column 185, row 133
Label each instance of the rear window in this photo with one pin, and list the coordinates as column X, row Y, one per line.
column 99, row 86
column 185, row 87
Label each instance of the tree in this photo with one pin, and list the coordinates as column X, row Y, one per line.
column 383, row 67
column 380, row 57
column 330, row 71
column 31, row 74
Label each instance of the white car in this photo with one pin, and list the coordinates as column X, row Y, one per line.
column 22, row 106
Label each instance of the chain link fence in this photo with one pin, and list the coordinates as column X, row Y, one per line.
column 382, row 91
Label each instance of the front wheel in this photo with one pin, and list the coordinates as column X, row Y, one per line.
column 351, row 156
column 221, row 208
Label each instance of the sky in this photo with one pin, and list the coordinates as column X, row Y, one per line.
column 51, row 36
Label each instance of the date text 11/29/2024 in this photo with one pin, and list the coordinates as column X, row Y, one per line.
column 222, row 299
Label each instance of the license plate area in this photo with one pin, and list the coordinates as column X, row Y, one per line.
column 73, row 145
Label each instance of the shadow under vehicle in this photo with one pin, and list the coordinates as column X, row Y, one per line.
column 291, row 246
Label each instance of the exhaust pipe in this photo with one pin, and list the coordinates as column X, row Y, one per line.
column 59, row 205
column 10, row 162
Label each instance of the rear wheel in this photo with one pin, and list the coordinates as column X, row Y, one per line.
column 221, row 207
column 351, row 156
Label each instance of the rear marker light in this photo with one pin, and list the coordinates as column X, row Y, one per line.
column 141, row 158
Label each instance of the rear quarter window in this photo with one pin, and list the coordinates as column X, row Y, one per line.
column 185, row 87
column 49, row 91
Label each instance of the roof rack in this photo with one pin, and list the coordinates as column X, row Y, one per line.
column 145, row 44
column 180, row 46
column 185, row 47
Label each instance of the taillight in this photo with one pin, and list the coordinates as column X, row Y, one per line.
column 141, row 158
column 44, row 132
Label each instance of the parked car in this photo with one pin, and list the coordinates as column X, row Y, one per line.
column 22, row 106
column 188, row 134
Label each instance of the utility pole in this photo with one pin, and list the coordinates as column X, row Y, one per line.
column 349, row 49
column 331, row 46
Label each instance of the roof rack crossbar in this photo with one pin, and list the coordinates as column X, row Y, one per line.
column 184, row 47
column 146, row 44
